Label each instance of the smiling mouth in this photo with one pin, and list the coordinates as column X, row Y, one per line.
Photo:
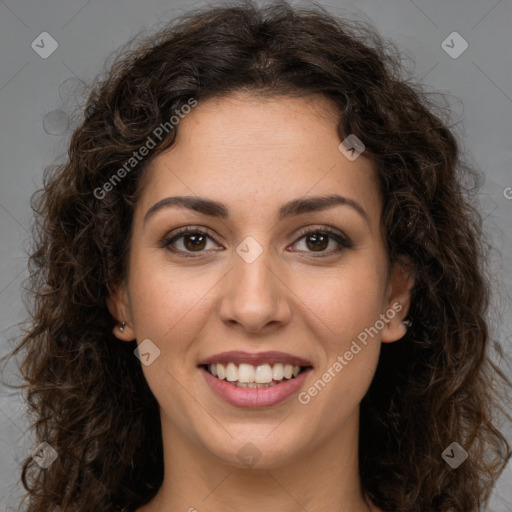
column 254, row 376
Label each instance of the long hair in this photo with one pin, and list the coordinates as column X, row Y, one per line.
column 436, row 386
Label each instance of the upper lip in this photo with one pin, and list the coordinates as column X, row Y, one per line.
column 239, row 357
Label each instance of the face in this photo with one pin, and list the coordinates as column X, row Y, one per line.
column 269, row 273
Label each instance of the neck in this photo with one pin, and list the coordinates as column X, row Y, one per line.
column 324, row 477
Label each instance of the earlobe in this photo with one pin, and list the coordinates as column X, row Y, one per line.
column 124, row 331
column 117, row 304
column 400, row 286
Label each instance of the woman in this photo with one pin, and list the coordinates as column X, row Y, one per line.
column 259, row 284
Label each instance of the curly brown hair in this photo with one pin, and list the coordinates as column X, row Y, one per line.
column 438, row 385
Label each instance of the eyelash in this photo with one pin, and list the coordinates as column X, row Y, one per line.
column 343, row 241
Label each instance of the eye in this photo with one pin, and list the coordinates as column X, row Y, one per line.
column 195, row 240
column 188, row 240
column 317, row 240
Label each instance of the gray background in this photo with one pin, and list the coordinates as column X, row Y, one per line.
column 35, row 110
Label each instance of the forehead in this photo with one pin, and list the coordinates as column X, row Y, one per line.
column 244, row 150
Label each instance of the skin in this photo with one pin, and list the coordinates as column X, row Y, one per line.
column 253, row 155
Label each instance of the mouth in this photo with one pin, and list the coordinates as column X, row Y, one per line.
column 251, row 376
column 255, row 380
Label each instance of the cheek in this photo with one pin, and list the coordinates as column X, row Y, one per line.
column 169, row 307
column 166, row 299
column 343, row 303
column 343, row 314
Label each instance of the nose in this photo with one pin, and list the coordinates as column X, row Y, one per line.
column 255, row 297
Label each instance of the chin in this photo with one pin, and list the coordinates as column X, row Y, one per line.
column 257, row 447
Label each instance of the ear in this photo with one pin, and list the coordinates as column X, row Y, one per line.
column 398, row 300
column 119, row 307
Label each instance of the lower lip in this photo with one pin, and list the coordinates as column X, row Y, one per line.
column 254, row 397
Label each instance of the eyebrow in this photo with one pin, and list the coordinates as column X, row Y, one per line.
column 292, row 208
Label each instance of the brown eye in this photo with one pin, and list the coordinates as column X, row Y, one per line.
column 187, row 241
column 193, row 242
column 317, row 241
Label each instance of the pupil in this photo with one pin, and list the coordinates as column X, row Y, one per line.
column 197, row 244
column 316, row 241
column 319, row 244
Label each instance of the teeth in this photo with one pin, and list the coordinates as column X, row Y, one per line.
column 263, row 374
column 255, row 385
column 231, row 372
column 278, row 372
column 245, row 372
column 248, row 376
